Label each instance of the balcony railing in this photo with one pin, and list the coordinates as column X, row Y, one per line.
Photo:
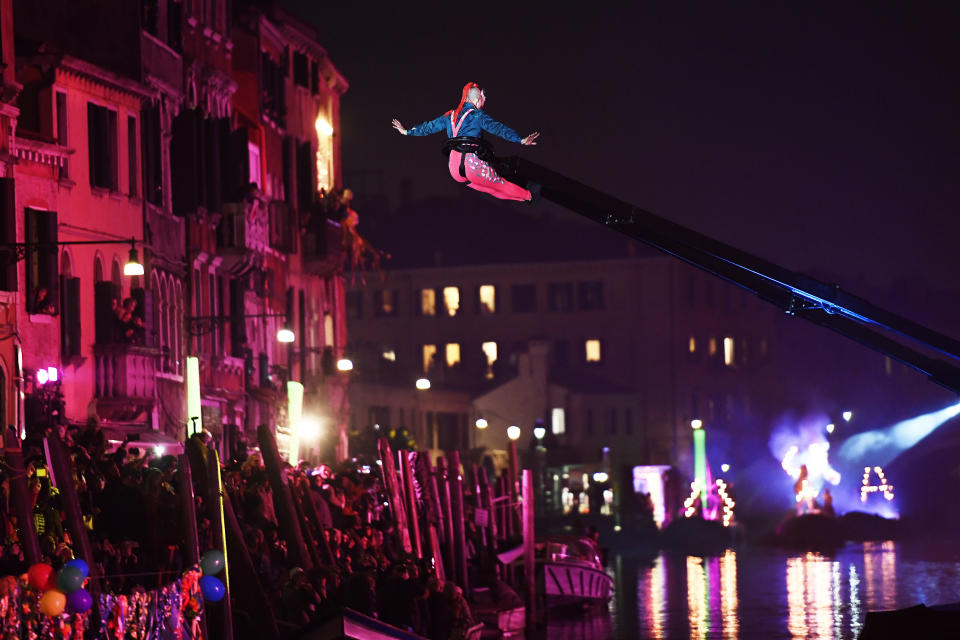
column 126, row 384
column 243, row 234
column 323, row 246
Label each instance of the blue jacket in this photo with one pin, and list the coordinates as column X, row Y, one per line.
column 474, row 125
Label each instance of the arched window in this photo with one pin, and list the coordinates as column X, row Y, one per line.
column 97, row 269
column 177, row 340
column 160, row 318
column 65, row 269
column 115, row 274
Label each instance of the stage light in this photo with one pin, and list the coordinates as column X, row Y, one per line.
column 831, row 427
column 847, row 416
column 884, row 445
column 724, row 467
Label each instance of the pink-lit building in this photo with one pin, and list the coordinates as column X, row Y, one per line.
column 204, row 133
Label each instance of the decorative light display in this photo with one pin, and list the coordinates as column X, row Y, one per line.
column 688, row 505
column 727, row 501
column 866, row 488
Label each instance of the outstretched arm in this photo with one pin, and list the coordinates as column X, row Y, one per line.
column 530, row 139
column 424, row 128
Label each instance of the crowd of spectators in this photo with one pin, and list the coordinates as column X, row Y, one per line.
column 131, row 508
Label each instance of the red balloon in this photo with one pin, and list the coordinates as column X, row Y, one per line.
column 40, row 576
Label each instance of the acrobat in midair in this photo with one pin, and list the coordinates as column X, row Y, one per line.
column 470, row 121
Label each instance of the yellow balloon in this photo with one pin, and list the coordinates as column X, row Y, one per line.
column 53, row 603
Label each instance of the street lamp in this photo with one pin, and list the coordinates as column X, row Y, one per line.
column 696, row 423
column 422, row 384
column 344, row 364
column 481, row 423
column 199, row 325
column 133, row 267
column 539, row 431
column 513, row 432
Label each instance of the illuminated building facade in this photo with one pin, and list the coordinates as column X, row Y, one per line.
column 173, row 132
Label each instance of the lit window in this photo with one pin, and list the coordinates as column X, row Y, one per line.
column 490, row 351
column 558, row 420
column 593, row 350
column 253, row 159
column 324, row 152
column 728, row 351
column 386, row 303
column 712, row 347
column 453, row 354
column 389, row 355
column 692, row 345
column 488, row 298
column 428, row 302
column 451, row 300
column 429, row 353
column 328, row 330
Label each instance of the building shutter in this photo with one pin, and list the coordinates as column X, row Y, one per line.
column 185, row 162
column 236, row 165
column 8, row 231
column 144, row 298
column 69, row 317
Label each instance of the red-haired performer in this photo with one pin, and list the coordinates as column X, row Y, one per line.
column 468, row 120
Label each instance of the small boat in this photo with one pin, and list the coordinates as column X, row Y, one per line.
column 572, row 573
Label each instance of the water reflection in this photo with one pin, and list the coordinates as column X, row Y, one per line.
column 763, row 593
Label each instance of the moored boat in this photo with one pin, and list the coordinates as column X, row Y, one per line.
column 571, row 572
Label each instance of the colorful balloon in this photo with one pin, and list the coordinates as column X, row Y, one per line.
column 212, row 562
column 81, row 564
column 38, row 575
column 53, row 603
column 79, row 601
column 69, row 579
column 212, row 589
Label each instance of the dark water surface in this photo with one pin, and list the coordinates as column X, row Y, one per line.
column 765, row 593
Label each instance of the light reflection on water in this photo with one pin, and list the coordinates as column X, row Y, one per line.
column 761, row 593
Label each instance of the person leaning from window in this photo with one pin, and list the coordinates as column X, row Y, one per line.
column 42, row 302
column 131, row 326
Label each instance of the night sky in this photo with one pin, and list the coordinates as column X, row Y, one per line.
column 819, row 136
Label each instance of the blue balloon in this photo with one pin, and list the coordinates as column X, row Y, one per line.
column 81, row 564
column 212, row 562
column 79, row 601
column 212, row 589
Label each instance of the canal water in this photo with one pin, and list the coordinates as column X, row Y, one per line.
column 765, row 593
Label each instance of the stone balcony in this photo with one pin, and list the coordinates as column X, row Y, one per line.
column 243, row 235
column 126, row 388
column 323, row 251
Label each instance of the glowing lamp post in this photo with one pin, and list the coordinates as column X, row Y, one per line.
column 344, row 364
column 539, row 431
column 423, row 384
column 513, row 432
column 481, row 423
column 700, row 460
column 194, row 417
column 294, row 418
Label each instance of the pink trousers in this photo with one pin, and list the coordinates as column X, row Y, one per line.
column 482, row 177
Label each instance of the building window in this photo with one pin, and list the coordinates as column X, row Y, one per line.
column 428, row 302
column 354, row 304
column 523, row 298
column 451, row 300
column 102, row 146
column 132, row 171
column 62, row 138
column 429, row 357
column 692, row 345
column 728, row 352
column 389, row 354
column 328, row 333
column 386, row 303
column 590, row 295
column 42, row 262
column 593, row 350
column 558, row 421
column 253, row 161
column 712, row 347
column 490, row 354
column 487, row 294
column 452, row 354
column 301, row 70
column 560, row 296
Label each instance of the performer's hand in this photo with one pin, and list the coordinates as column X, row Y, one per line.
column 399, row 127
column 530, row 139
